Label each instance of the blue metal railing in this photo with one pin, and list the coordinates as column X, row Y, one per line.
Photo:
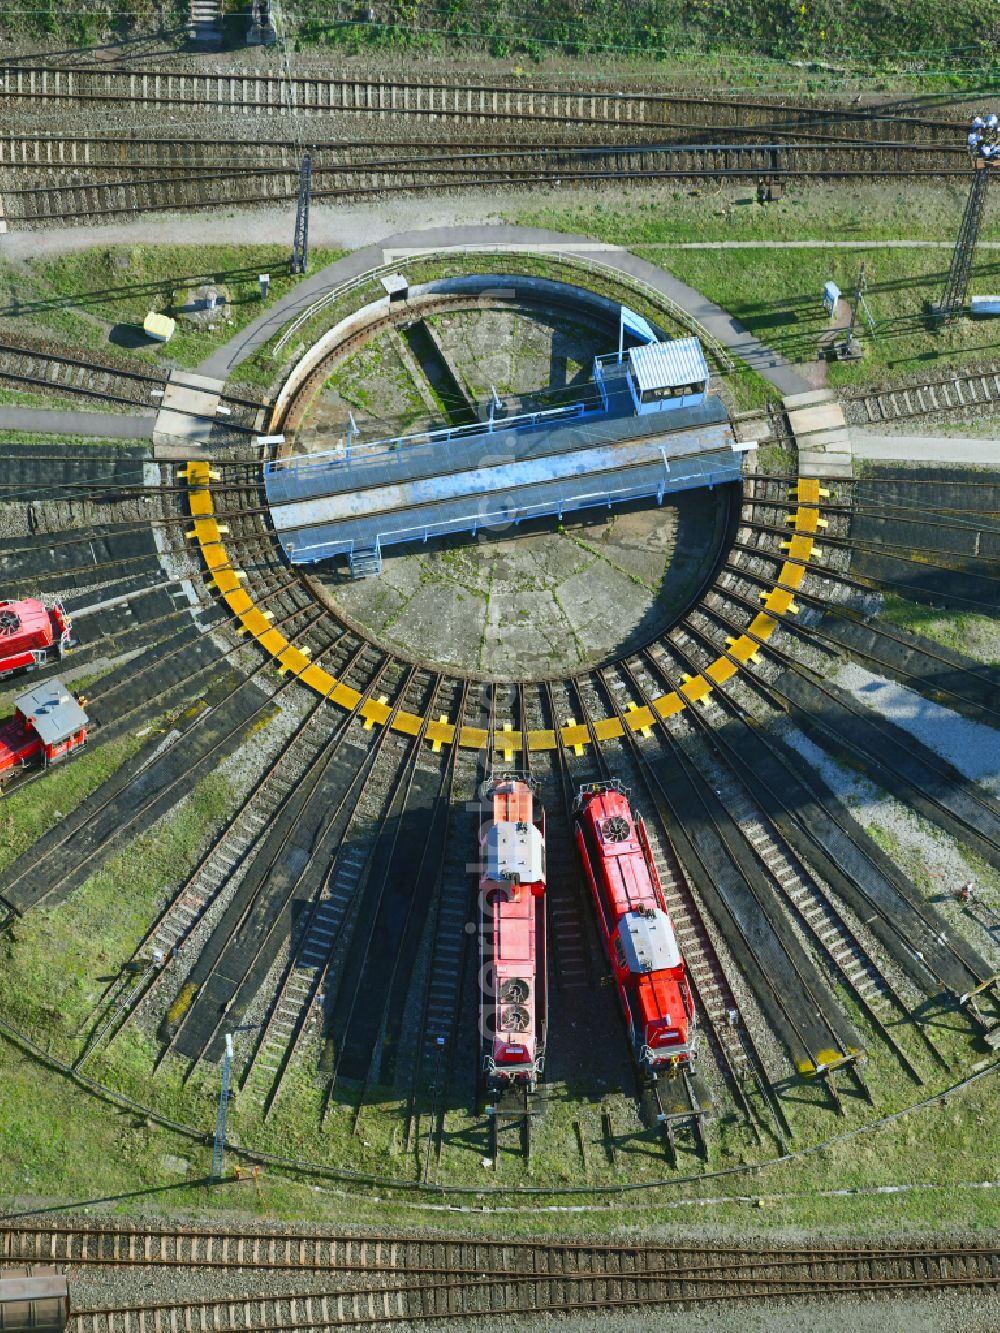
column 376, row 449
column 493, row 512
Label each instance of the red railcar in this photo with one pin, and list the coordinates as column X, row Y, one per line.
column 48, row 724
column 513, row 998
column 638, row 934
column 32, row 634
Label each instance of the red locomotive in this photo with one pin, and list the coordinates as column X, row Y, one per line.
column 512, row 935
column 48, row 724
column 31, row 634
column 638, row 933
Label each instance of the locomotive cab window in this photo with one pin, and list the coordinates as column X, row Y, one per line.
column 619, row 953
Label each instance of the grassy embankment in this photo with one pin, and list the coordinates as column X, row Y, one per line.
column 60, row 1144
column 812, row 47
column 96, row 300
column 775, row 293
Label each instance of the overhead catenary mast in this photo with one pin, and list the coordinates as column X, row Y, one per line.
column 984, row 145
column 300, row 245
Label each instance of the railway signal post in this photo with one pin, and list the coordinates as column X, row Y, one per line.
column 226, row 1095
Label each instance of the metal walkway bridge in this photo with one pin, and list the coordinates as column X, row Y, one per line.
column 494, row 474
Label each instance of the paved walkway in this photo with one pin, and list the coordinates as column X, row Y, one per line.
column 946, row 449
column 71, row 421
column 810, row 245
column 727, row 330
column 350, row 226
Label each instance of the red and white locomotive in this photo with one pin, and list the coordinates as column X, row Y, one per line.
column 513, row 997
column 48, row 724
column 32, row 634
column 638, row 934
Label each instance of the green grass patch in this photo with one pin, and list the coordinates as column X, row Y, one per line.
column 775, row 294
column 61, row 1144
column 742, row 43
column 973, row 635
column 57, row 437
column 747, row 389
column 98, row 928
column 816, row 48
column 19, row 398
column 97, row 299
column 28, row 813
column 673, row 215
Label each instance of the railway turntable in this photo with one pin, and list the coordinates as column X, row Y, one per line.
column 645, row 427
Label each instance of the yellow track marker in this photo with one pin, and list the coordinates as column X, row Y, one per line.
column 376, row 712
column 370, row 713
column 643, row 728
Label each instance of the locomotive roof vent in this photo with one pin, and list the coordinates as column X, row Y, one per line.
column 515, row 990
column 615, row 829
column 648, row 941
column 10, row 621
column 514, row 1018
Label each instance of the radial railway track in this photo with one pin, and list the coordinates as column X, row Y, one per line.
column 374, row 849
column 50, row 369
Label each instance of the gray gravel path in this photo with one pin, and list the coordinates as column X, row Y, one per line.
column 927, row 448
column 455, row 222
column 722, row 326
column 971, row 747
column 54, row 421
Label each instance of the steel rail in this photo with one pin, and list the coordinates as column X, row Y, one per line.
column 459, row 179
column 437, row 158
column 809, row 1044
column 621, row 1290
column 686, row 909
column 279, row 856
column 119, row 1011
column 379, row 95
column 974, row 970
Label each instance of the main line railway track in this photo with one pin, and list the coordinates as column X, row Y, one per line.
column 27, row 152
column 239, row 92
column 125, row 1245
column 418, row 1303
column 132, row 193
column 404, row 1281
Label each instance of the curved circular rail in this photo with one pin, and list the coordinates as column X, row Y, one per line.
column 805, row 520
